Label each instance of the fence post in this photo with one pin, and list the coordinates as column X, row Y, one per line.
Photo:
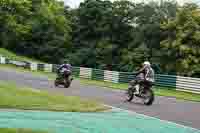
column 85, row 72
column 2, row 60
column 48, row 68
column 111, row 76
column 33, row 66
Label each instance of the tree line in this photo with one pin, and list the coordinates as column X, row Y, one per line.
column 101, row 34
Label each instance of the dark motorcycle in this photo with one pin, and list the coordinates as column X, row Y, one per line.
column 64, row 79
column 145, row 92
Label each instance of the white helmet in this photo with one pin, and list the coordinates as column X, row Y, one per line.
column 147, row 63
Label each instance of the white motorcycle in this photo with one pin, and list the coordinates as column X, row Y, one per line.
column 145, row 92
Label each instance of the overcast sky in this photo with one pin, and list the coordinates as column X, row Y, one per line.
column 75, row 3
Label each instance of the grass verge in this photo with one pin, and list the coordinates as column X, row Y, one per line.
column 6, row 130
column 13, row 56
column 160, row 91
column 14, row 97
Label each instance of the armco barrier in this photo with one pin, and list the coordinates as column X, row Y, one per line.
column 174, row 82
column 111, row 76
column 76, row 71
column 126, row 77
column 177, row 82
column 48, row 68
column 85, row 73
column 166, row 80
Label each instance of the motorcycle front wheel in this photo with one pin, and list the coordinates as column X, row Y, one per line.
column 67, row 83
column 129, row 94
column 56, row 83
column 149, row 97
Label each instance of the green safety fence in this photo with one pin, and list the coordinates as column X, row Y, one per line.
column 166, row 80
column 76, row 71
column 97, row 74
column 125, row 77
column 7, row 61
column 55, row 67
column 40, row 67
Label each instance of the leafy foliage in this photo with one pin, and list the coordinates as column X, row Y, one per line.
column 117, row 35
column 182, row 43
column 35, row 28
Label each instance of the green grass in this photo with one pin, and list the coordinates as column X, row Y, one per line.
column 14, row 56
column 14, row 97
column 160, row 91
column 6, row 130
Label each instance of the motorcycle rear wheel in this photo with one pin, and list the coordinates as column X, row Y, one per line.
column 129, row 94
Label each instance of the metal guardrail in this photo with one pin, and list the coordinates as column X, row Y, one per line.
column 172, row 81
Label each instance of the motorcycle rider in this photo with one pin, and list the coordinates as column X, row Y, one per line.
column 146, row 74
column 63, row 67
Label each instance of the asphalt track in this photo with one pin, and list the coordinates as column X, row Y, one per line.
column 181, row 112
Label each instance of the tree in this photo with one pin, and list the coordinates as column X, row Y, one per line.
column 91, row 26
column 14, row 24
column 182, row 43
column 36, row 28
column 117, row 35
column 102, row 29
column 145, row 40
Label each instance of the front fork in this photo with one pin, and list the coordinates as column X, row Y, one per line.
column 131, row 89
